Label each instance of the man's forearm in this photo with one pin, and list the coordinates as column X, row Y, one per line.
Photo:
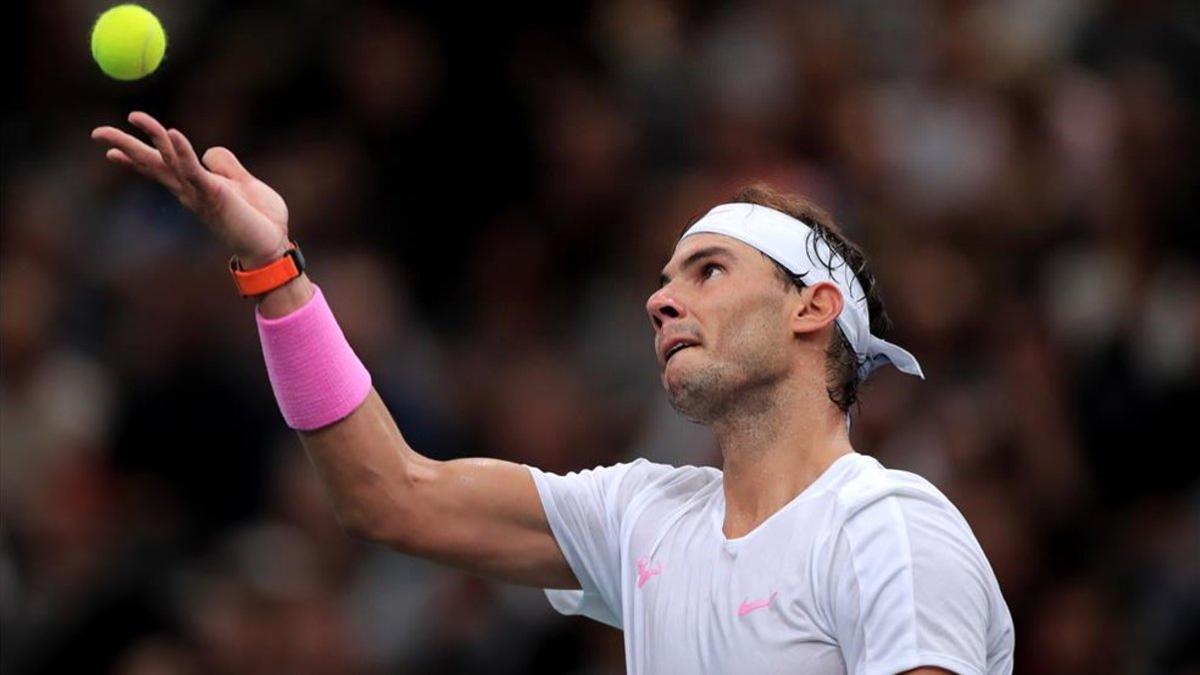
column 362, row 458
column 366, row 467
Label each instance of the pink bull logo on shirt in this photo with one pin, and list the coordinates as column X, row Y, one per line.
column 645, row 571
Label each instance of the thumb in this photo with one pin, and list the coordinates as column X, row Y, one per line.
column 223, row 163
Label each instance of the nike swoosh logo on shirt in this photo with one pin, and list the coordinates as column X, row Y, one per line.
column 748, row 606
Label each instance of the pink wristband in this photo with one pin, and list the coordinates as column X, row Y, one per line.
column 317, row 378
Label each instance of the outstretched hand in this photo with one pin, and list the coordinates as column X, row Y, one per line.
column 246, row 214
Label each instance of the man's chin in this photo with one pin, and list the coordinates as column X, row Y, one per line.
column 689, row 390
column 673, row 378
column 672, row 383
column 689, row 406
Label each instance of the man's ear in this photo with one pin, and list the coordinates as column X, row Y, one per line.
column 818, row 306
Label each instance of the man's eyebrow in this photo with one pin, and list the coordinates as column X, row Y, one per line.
column 695, row 257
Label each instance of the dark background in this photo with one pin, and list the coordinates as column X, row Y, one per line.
column 486, row 194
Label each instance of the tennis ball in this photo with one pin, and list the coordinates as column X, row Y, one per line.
column 128, row 42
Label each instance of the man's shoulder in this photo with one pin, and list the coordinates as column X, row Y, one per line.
column 870, row 486
column 896, row 525
column 652, row 488
column 672, row 479
column 639, row 478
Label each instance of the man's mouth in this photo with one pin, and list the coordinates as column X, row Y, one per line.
column 675, row 349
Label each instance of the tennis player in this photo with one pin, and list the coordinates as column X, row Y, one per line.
column 800, row 556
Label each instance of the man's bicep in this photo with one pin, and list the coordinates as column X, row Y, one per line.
column 523, row 525
column 485, row 516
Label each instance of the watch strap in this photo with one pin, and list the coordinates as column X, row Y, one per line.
column 267, row 278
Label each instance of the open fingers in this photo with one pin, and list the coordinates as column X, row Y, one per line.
column 188, row 165
column 118, row 156
column 157, row 134
column 142, row 157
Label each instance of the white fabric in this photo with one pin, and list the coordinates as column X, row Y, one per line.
column 868, row 571
column 795, row 246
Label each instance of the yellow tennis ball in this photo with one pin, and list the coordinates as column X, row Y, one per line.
column 128, row 42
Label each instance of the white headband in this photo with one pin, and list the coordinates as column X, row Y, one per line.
column 795, row 246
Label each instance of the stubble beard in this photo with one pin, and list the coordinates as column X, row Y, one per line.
column 742, row 386
column 722, row 392
column 700, row 394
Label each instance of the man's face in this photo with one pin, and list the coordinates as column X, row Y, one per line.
column 721, row 328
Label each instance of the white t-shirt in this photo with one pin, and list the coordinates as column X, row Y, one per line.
column 867, row 571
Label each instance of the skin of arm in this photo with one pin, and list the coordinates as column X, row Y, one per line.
column 480, row 515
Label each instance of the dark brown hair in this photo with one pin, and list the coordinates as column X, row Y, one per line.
column 841, row 363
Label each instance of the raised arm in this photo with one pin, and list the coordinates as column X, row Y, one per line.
column 482, row 515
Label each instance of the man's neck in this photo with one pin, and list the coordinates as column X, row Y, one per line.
column 775, row 445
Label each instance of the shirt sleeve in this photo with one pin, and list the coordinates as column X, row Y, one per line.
column 585, row 510
column 908, row 587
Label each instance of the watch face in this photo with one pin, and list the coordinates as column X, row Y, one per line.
column 297, row 257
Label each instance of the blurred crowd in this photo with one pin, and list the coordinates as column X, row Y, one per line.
column 486, row 194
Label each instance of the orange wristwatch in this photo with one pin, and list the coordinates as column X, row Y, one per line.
column 268, row 277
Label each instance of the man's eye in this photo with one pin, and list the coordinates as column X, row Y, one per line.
column 708, row 269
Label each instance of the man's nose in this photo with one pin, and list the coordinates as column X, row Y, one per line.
column 663, row 305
